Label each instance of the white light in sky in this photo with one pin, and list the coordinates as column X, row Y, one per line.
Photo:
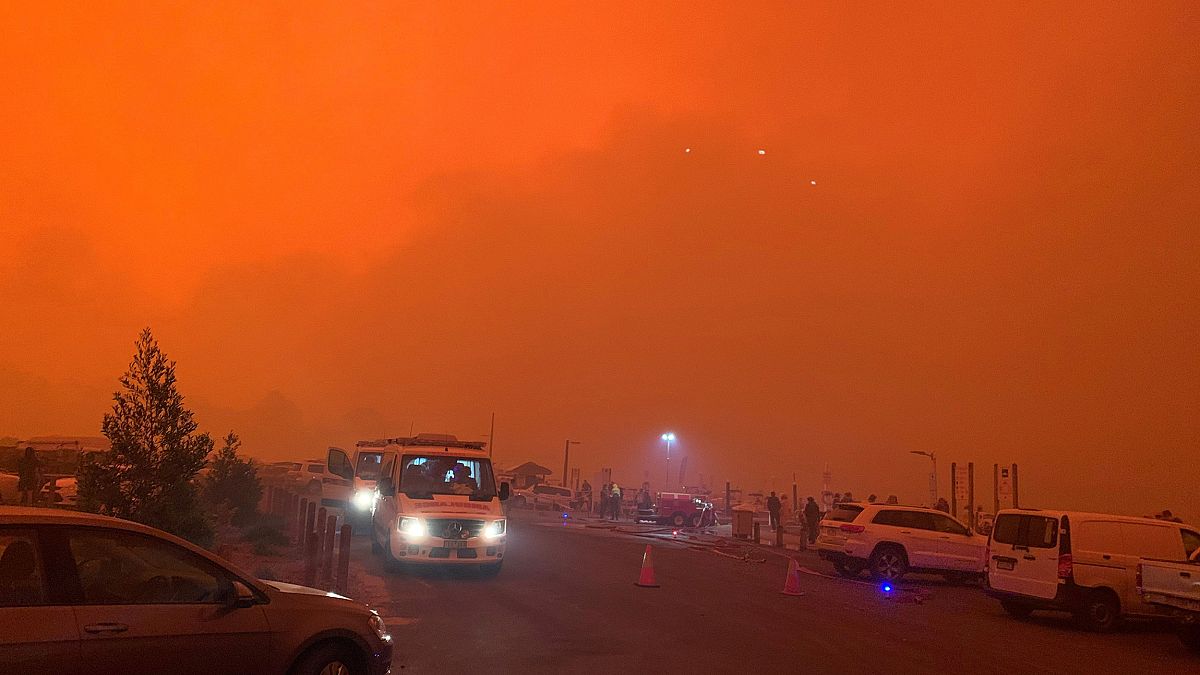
column 813, row 182
column 687, row 149
column 762, row 152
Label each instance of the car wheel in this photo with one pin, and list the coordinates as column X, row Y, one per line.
column 1099, row 612
column 695, row 520
column 1189, row 635
column 330, row 658
column 1016, row 610
column 889, row 563
column 678, row 520
column 490, row 570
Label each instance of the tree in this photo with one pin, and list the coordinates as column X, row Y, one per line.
column 232, row 484
column 148, row 474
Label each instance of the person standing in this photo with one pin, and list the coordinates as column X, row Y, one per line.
column 773, row 508
column 812, row 516
column 29, row 471
column 585, row 496
column 615, row 501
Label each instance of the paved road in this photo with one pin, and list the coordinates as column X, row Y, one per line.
column 566, row 602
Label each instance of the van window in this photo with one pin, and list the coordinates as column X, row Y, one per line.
column 368, row 465
column 1025, row 530
column 1191, row 542
column 843, row 513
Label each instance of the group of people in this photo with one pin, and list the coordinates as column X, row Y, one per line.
column 606, row 504
column 809, row 516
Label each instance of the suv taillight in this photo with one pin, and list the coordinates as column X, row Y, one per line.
column 852, row 529
column 1064, row 566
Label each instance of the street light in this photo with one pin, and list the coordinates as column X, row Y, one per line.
column 933, row 491
column 669, row 437
column 566, row 456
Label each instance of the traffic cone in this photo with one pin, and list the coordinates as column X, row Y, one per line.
column 646, row 578
column 791, row 585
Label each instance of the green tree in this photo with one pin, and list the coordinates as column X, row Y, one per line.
column 148, row 474
column 232, row 484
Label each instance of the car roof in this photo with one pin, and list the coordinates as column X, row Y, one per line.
column 885, row 505
column 1053, row 513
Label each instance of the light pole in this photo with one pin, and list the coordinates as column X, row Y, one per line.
column 566, row 457
column 668, row 437
column 933, row 491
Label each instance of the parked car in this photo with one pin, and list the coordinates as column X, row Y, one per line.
column 8, row 488
column 1175, row 587
column 63, row 492
column 546, row 496
column 891, row 540
column 308, row 476
column 82, row 593
column 1083, row 563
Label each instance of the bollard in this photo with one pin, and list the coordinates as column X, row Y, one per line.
column 319, row 533
column 310, row 561
column 343, row 571
column 300, row 515
column 779, row 536
column 757, row 539
column 327, row 551
column 310, row 521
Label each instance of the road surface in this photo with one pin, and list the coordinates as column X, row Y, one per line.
column 566, row 602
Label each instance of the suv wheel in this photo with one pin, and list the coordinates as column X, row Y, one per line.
column 1016, row 610
column 330, row 658
column 1099, row 612
column 888, row 563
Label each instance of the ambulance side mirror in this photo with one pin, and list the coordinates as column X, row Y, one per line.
column 386, row 488
column 505, row 493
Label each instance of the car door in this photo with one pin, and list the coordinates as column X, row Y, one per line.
column 958, row 549
column 37, row 630
column 337, row 484
column 920, row 539
column 147, row 605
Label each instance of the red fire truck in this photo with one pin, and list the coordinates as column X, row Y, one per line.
column 679, row 509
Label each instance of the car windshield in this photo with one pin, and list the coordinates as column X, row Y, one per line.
column 422, row 476
column 368, row 465
column 316, row 468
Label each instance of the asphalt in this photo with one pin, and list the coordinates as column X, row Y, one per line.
column 566, row 602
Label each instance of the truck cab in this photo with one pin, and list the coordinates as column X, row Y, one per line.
column 437, row 503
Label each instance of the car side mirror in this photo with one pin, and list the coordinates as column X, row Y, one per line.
column 505, row 492
column 242, row 597
column 386, row 487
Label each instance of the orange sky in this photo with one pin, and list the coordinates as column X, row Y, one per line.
column 342, row 219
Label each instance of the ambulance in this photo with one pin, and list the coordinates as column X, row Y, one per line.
column 437, row 503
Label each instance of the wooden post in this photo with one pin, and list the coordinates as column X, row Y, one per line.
column 1016, row 493
column 310, row 519
column 757, row 539
column 311, row 553
column 327, row 551
column 301, row 514
column 343, row 571
column 319, row 532
column 779, row 535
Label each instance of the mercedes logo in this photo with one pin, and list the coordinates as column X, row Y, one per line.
column 455, row 531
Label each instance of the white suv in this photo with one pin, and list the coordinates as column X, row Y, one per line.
column 891, row 540
column 545, row 496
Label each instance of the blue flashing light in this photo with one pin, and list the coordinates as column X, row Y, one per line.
column 887, row 588
column 566, row 515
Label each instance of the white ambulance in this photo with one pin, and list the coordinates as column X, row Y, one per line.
column 437, row 503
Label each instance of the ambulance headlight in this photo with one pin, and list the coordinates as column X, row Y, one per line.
column 413, row 527
column 494, row 529
column 363, row 500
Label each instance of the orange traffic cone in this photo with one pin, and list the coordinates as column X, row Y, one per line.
column 791, row 585
column 646, row 578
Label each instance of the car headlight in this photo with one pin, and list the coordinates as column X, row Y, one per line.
column 494, row 529
column 413, row 527
column 363, row 499
column 378, row 627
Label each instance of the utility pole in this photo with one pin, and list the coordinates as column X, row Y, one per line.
column 492, row 437
column 933, row 491
column 566, row 457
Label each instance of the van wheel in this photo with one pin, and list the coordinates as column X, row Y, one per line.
column 1016, row 610
column 678, row 520
column 390, row 563
column 889, row 563
column 1189, row 635
column 490, row 570
column 1099, row 612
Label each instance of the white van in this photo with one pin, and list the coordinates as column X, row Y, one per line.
column 1083, row 563
column 437, row 504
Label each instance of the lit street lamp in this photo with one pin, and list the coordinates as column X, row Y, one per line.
column 669, row 437
column 933, row 491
